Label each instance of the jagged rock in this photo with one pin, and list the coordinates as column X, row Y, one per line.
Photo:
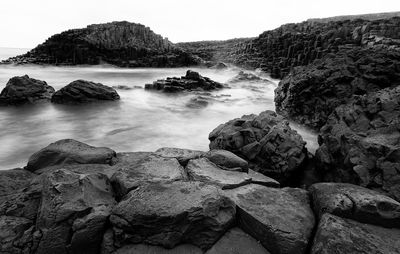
column 182, row 155
column 82, row 91
column 192, row 81
column 360, row 142
column 237, row 241
column 265, row 140
column 148, row 249
column 281, row 219
column 168, row 214
column 13, row 180
column 73, row 212
column 356, row 203
column 247, row 77
column 141, row 168
column 227, row 160
column 21, row 90
column 69, row 151
column 16, row 235
column 337, row 235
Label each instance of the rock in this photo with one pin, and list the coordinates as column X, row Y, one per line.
column 82, row 91
column 337, row 235
column 73, row 212
column 356, row 203
column 237, row 241
column 198, row 102
column 67, row 152
column 266, row 141
column 148, row 249
column 168, row 214
column 281, row 219
column 261, row 179
column 182, row 155
column 220, row 66
column 105, row 169
column 15, row 235
column 142, row 168
column 247, row 77
column 13, row 180
column 21, row 90
column 192, row 81
column 227, row 160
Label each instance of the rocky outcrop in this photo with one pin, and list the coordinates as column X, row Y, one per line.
column 266, row 141
column 13, row 180
column 191, row 81
column 16, row 235
column 82, row 91
column 247, row 77
column 22, row 90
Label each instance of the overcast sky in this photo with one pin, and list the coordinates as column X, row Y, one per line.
column 26, row 23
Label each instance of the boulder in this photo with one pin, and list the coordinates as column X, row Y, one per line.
column 168, row 214
column 21, row 90
column 141, row 169
column 191, row 81
column 69, row 151
column 281, row 219
column 266, row 141
column 356, row 203
column 82, row 91
column 182, row 155
column 73, row 212
column 16, row 235
column 227, row 160
column 237, row 241
column 338, row 235
column 13, row 180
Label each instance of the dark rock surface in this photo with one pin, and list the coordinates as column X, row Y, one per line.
column 247, row 77
column 265, row 140
column 149, row 249
column 69, row 151
column 191, row 81
column 82, row 91
column 173, row 213
column 227, row 160
column 22, row 90
column 337, row 235
column 16, row 235
column 13, row 180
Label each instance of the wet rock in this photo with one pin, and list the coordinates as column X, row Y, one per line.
column 69, row 151
column 16, row 235
column 192, row 81
column 227, row 160
column 168, row 214
column 356, row 203
column 266, row 141
column 182, row 155
column 281, row 219
column 337, row 235
column 148, row 249
column 198, row 102
column 22, row 90
column 237, row 241
column 13, row 180
column 220, row 66
column 247, row 77
column 141, row 168
column 82, row 91
column 73, row 212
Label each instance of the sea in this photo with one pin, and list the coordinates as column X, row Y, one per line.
column 141, row 121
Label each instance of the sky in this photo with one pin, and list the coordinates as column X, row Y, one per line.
column 27, row 23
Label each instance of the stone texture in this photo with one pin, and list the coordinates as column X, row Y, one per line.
column 247, row 77
column 22, row 90
column 281, row 219
column 13, row 180
column 82, row 91
column 182, row 155
column 69, row 151
column 16, row 235
column 235, row 241
column 356, row 203
column 337, row 235
column 168, row 214
column 227, row 160
column 266, row 141
column 148, row 249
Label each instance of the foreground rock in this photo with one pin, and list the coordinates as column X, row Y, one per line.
column 173, row 213
column 16, row 235
column 22, row 90
column 82, row 91
column 13, row 180
column 182, row 155
column 266, row 141
column 227, row 160
column 67, row 152
column 337, row 235
column 281, row 219
column 149, row 249
column 356, row 203
column 192, row 81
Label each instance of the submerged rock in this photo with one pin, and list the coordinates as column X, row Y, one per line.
column 82, row 91
column 247, row 77
column 22, row 90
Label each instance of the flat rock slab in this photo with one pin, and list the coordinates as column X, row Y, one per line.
column 135, row 169
column 168, row 214
column 182, row 155
column 149, row 249
column 355, row 202
column 12, row 180
column 237, row 241
column 15, row 234
column 338, row 235
column 69, row 151
column 227, row 160
column 261, row 179
column 281, row 219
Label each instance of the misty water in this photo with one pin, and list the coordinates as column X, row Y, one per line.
column 141, row 121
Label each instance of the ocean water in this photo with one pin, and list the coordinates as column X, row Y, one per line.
column 141, row 121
